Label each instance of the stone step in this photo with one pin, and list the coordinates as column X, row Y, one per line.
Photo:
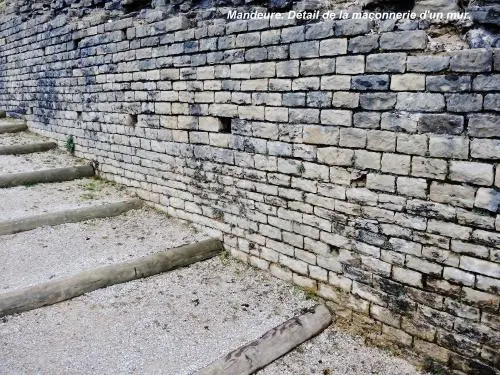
column 46, row 253
column 173, row 323
column 25, row 201
column 8, row 125
column 27, row 148
column 68, row 216
column 46, row 176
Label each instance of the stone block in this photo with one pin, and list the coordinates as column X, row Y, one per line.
column 420, row 102
column 484, row 125
column 464, row 102
column 408, row 82
column 386, row 62
column 335, row 156
column 449, row 147
column 377, row 101
column 427, row 64
column 333, row 47
column 321, row 135
column 304, row 49
column 429, row 168
column 370, row 82
column 350, row 64
column 440, row 124
column 485, row 148
column 448, row 83
column 336, row 117
column 403, row 40
column 470, row 172
column 412, row 144
column 366, row 120
column 472, row 60
column 364, row 43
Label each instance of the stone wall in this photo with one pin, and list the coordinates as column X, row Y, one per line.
column 338, row 155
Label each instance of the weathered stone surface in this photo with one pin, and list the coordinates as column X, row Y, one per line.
column 377, row 101
column 420, row 102
column 440, row 124
column 403, row 40
column 473, row 173
column 464, row 102
column 474, row 60
column 386, row 62
column 370, row 82
column 424, row 64
column 448, row 83
column 486, row 125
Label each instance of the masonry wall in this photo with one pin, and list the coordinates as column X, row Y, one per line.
column 338, row 155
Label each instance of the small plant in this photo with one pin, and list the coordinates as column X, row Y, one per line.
column 70, row 144
column 224, row 257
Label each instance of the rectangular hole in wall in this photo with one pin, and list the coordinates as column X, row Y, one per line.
column 225, row 125
column 78, row 115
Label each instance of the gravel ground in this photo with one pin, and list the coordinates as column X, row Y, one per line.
column 48, row 252
column 22, row 201
column 21, row 138
column 172, row 323
column 42, row 160
column 334, row 352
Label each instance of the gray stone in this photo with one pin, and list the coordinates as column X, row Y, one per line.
column 485, row 148
column 366, row 120
column 377, row 101
column 440, row 124
column 473, row 60
column 399, row 121
column 403, row 40
column 420, row 102
column 464, row 102
column 386, row 62
column 350, row 64
column 470, row 172
column 317, row 66
column 333, row 47
column 448, row 83
column 319, row 30
column 320, row 99
column 304, row 49
column 484, row 125
column 488, row 199
column 352, row 27
column 370, row 82
column 486, row 82
column 427, row 64
column 363, row 44
column 449, row 147
column 492, row 102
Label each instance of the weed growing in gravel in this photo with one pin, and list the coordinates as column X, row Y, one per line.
column 308, row 293
column 224, row 258
column 70, row 144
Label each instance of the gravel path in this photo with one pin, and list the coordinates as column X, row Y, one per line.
column 22, row 201
column 172, row 323
column 21, row 138
column 41, row 160
column 334, row 352
column 44, row 253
